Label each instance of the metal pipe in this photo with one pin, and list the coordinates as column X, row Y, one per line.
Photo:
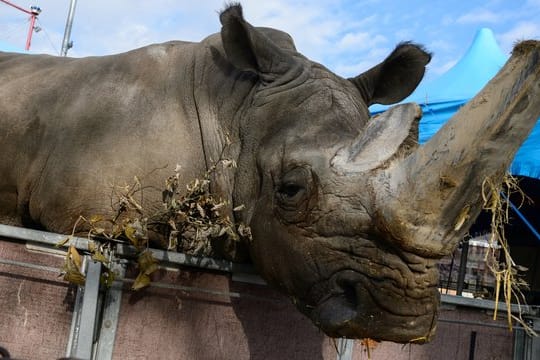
column 83, row 346
column 66, row 43
column 33, row 12
column 30, row 32
column 44, row 237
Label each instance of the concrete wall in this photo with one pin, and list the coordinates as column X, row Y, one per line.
column 161, row 323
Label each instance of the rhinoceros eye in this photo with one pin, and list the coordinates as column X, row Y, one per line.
column 293, row 194
column 293, row 185
column 290, row 190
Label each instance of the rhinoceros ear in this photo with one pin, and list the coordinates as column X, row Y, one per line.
column 396, row 77
column 248, row 49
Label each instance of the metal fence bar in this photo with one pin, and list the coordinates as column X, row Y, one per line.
column 241, row 272
column 244, row 272
column 83, row 327
column 488, row 304
column 178, row 258
column 111, row 312
column 44, row 237
column 75, row 321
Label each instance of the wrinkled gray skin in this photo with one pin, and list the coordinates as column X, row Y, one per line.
column 311, row 168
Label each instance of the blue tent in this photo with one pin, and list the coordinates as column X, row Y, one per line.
column 443, row 96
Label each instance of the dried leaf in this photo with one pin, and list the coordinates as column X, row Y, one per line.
column 129, row 231
column 239, row 208
column 222, row 231
column 201, row 211
column 141, row 281
column 75, row 277
column 98, row 231
column 218, row 206
column 116, row 230
column 96, row 218
column 172, row 224
column 147, row 262
column 228, row 163
column 134, row 203
column 245, row 231
column 73, row 254
column 98, row 256
column 173, row 240
column 136, row 232
column 72, row 266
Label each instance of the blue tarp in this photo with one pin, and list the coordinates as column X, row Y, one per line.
column 443, row 96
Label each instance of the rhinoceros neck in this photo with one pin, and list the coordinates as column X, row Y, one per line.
column 220, row 93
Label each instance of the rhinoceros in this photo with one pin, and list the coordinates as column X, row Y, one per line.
column 348, row 214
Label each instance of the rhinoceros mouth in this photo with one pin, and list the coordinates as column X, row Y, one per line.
column 357, row 306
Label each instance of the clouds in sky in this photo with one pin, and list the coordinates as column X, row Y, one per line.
column 479, row 16
column 348, row 36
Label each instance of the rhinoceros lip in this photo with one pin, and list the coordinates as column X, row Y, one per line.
column 348, row 311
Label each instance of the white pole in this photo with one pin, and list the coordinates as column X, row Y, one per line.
column 67, row 43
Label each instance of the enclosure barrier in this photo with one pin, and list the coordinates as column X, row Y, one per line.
column 95, row 315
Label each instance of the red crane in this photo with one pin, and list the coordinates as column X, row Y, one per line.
column 33, row 12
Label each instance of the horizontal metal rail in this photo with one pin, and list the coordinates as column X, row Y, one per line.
column 487, row 304
column 127, row 251
column 490, row 324
column 124, row 250
column 120, row 281
column 44, row 237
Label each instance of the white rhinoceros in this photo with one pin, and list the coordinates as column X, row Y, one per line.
column 348, row 214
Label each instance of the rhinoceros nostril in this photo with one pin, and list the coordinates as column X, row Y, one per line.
column 348, row 283
column 349, row 292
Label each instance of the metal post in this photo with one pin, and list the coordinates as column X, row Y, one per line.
column 527, row 347
column 66, row 42
column 111, row 312
column 81, row 342
column 30, row 32
column 34, row 12
column 462, row 266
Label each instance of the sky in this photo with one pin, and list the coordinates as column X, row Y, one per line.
column 346, row 36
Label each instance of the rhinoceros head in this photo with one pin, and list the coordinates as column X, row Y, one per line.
column 345, row 217
column 313, row 231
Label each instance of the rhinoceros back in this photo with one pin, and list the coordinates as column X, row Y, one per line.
column 74, row 129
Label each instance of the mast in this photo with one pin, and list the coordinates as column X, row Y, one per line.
column 66, row 42
column 33, row 12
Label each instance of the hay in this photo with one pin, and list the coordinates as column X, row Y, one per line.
column 505, row 271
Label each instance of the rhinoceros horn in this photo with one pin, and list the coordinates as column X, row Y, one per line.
column 426, row 197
